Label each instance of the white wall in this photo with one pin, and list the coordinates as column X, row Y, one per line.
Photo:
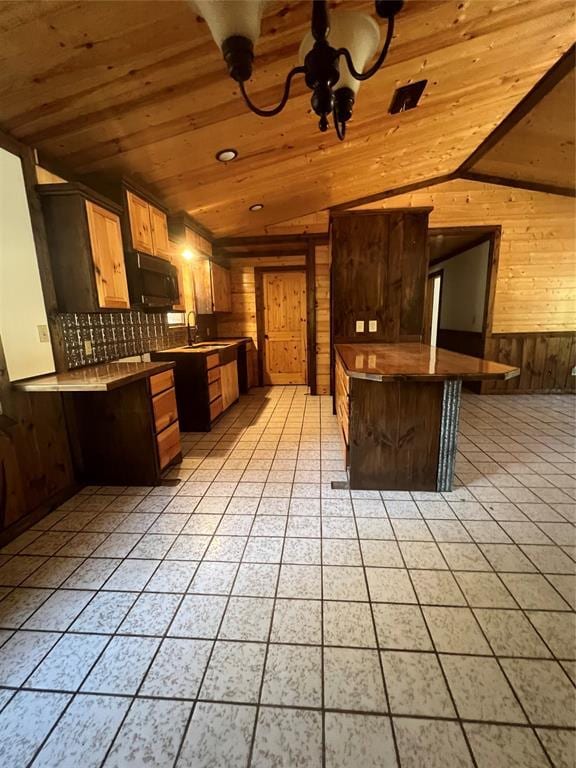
column 22, row 308
column 464, row 290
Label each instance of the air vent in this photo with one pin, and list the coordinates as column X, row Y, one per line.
column 407, row 97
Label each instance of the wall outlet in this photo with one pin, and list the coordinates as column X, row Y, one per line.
column 87, row 347
column 372, row 326
column 359, row 326
column 43, row 334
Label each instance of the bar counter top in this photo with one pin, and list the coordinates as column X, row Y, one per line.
column 414, row 361
column 92, row 378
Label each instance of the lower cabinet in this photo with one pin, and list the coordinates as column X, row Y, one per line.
column 125, row 436
column 206, row 384
column 229, row 383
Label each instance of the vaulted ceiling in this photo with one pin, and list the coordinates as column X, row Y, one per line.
column 140, row 88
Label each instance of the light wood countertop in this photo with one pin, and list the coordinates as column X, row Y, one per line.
column 92, row 378
column 380, row 362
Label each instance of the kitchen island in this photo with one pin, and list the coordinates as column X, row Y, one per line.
column 398, row 407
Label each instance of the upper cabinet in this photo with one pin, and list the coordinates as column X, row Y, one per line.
column 107, row 256
column 148, row 226
column 139, row 220
column 85, row 242
column 221, row 289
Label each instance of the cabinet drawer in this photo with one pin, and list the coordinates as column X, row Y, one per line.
column 212, row 361
column 214, row 375
column 161, row 381
column 214, row 390
column 215, row 408
column 165, row 409
column 168, row 442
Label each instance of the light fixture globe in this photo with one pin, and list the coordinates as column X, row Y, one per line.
column 235, row 27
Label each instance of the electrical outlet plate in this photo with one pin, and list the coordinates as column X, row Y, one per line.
column 43, row 335
column 359, row 326
column 372, row 326
column 87, row 347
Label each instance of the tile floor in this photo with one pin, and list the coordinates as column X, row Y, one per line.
column 244, row 613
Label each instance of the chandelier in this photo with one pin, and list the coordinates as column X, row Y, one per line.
column 332, row 55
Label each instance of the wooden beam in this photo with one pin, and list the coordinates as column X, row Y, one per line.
column 534, row 186
column 532, row 98
column 264, row 240
column 276, row 251
column 393, row 192
column 311, row 315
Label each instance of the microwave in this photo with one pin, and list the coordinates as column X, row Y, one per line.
column 152, row 282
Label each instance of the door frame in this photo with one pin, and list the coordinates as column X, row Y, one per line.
column 432, row 275
column 310, row 299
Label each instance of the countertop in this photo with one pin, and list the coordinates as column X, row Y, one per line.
column 214, row 345
column 93, row 378
column 379, row 362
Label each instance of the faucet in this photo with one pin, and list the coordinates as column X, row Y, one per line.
column 191, row 330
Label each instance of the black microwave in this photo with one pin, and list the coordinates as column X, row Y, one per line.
column 152, row 282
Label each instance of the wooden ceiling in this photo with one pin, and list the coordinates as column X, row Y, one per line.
column 540, row 147
column 140, row 88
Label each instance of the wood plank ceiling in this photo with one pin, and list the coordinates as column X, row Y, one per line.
column 140, row 88
column 540, row 147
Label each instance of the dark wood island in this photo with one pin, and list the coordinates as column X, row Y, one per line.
column 398, row 407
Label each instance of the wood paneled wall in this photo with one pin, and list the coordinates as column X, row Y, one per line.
column 536, row 279
column 379, row 268
column 545, row 361
column 242, row 320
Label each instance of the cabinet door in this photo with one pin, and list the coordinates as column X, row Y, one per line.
column 140, row 228
column 229, row 384
column 202, row 286
column 222, row 288
column 159, row 227
column 108, row 257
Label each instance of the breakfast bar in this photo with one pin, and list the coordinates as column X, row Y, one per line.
column 398, row 408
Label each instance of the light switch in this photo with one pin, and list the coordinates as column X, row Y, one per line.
column 87, row 347
column 359, row 326
column 43, row 334
column 372, row 326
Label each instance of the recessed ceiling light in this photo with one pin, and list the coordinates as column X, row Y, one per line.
column 225, row 155
column 256, row 207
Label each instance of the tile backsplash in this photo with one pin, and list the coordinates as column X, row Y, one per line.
column 113, row 335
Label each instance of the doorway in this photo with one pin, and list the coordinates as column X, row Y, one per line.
column 460, row 287
column 281, row 321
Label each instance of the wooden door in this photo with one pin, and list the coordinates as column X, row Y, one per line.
column 159, row 230
column 139, row 218
column 284, row 326
column 108, row 257
column 221, row 288
column 229, row 384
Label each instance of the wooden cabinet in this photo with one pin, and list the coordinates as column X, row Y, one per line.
column 139, row 221
column 159, row 227
column 165, row 414
column 107, row 257
column 202, row 279
column 85, row 243
column 221, row 289
column 229, row 384
column 206, row 384
column 148, row 226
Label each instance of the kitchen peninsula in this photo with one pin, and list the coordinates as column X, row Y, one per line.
column 122, row 420
column 398, row 408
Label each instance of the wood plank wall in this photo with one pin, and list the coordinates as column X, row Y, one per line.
column 536, row 281
column 242, row 320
